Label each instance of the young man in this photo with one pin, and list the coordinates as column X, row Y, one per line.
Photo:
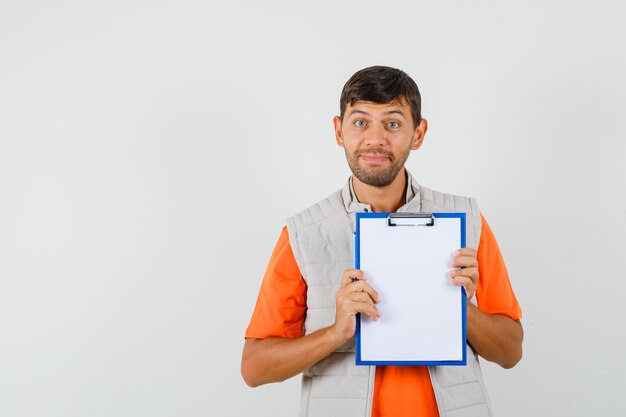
column 304, row 320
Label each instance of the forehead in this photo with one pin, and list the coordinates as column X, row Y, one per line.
column 369, row 107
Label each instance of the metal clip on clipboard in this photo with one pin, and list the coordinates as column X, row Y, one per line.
column 410, row 219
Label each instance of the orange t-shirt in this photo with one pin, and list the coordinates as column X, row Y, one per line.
column 398, row 390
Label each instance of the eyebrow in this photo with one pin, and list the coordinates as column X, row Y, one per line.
column 356, row 111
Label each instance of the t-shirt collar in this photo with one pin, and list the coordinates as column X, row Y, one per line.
column 353, row 205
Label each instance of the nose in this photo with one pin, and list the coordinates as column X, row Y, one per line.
column 376, row 135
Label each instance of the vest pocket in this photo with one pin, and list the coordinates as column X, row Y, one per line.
column 460, row 390
column 335, row 387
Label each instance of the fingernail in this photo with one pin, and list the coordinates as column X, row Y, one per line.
column 451, row 273
column 456, row 253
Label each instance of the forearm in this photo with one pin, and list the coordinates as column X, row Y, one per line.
column 495, row 337
column 277, row 359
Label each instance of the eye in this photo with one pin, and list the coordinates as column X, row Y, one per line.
column 360, row 123
column 393, row 125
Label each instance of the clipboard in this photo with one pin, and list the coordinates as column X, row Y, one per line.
column 405, row 257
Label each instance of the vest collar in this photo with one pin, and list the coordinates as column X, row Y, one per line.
column 413, row 200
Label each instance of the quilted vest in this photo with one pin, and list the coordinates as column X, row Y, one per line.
column 321, row 238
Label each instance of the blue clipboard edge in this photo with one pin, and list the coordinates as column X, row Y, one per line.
column 357, row 265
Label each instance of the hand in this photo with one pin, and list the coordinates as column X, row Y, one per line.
column 354, row 296
column 467, row 275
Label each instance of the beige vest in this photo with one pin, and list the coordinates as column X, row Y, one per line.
column 322, row 238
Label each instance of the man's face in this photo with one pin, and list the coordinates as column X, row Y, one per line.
column 377, row 139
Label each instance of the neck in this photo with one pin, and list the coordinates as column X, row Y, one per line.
column 382, row 199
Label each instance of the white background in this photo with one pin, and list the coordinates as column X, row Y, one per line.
column 150, row 152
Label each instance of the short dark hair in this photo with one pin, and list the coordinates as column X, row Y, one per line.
column 380, row 84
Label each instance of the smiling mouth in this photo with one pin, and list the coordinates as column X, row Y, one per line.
column 375, row 158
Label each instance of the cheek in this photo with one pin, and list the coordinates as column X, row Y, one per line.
column 351, row 137
column 350, row 130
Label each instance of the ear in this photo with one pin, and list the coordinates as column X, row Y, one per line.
column 338, row 132
column 418, row 136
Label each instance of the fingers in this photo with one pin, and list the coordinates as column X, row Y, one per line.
column 359, row 292
column 370, row 310
column 361, row 297
column 467, row 273
column 356, row 295
column 354, row 305
column 349, row 275
column 463, row 258
column 466, row 282
column 353, row 280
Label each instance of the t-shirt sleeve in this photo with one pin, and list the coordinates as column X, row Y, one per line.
column 494, row 293
column 281, row 305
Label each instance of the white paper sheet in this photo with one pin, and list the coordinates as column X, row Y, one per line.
column 422, row 317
